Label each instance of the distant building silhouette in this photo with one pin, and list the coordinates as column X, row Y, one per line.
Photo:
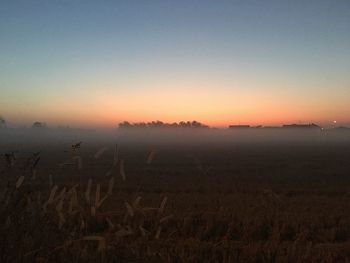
column 310, row 126
column 239, row 126
column 302, row 126
column 272, row 127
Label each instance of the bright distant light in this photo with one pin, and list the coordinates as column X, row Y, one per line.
column 335, row 121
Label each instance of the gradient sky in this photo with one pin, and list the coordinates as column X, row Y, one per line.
column 96, row 63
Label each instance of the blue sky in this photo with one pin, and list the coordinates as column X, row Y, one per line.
column 100, row 62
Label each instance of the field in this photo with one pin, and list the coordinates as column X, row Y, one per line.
column 142, row 201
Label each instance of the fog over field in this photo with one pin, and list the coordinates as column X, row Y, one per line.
column 21, row 137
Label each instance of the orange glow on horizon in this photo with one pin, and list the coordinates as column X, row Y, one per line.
column 107, row 109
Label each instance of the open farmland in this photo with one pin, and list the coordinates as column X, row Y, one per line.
column 124, row 201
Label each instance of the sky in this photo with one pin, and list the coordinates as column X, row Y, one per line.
column 97, row 63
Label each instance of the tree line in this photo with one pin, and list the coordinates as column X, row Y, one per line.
column 160, row 124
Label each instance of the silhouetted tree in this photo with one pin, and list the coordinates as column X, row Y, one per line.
column 182, row 124
column 140, row 125
column 2, row 122
column 38, row 124
column 125, row 124
column 156, row 124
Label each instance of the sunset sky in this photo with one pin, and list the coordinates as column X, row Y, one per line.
column 97, row 63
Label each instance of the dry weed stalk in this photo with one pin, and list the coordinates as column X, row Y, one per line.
column 88, row 191
column 121, row 170
column 51, row 197
column 110, row 186
column 151, row 156
column 101, row 151
column 129, row 209
column 19, row 181
column 116, row 155
column 79, row 162
column 162, row 205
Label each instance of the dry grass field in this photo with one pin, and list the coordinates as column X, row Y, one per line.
column 148, row 202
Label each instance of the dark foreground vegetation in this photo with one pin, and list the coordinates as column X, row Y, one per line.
column 206, row 202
